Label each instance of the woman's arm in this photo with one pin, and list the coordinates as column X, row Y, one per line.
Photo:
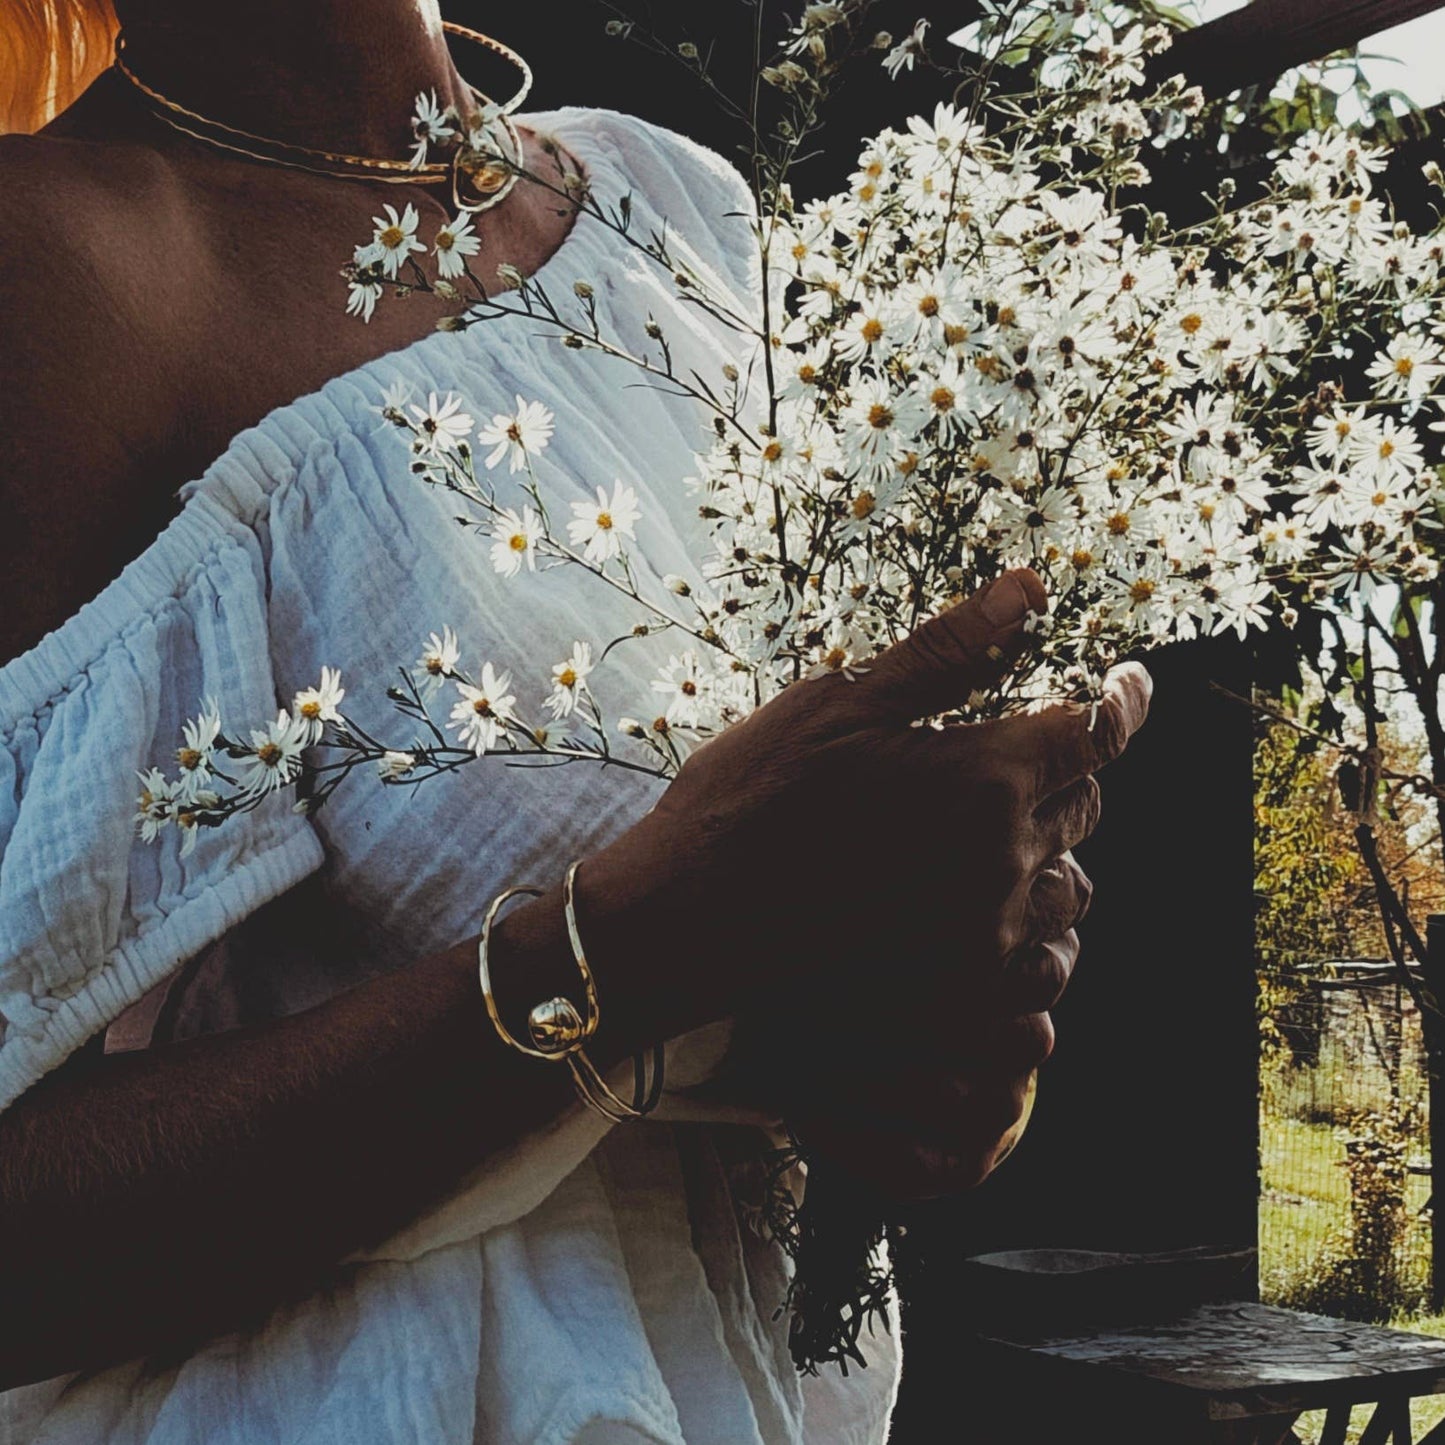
column 167, row 1195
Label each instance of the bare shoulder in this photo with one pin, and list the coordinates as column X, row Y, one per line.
column 69, row 233
column 77, row 294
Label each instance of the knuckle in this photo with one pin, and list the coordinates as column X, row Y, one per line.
column 1111, row 730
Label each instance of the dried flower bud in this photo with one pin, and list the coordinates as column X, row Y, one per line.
column 677, row 584
column 582, row 289
column 452, row 323
column 631, row 727
column 687, row 50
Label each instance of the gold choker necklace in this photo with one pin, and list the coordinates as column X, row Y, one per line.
column 492, row 182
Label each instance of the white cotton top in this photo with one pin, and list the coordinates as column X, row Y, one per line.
column 592, row 1285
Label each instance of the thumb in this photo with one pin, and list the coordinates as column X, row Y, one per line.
column 969, row 646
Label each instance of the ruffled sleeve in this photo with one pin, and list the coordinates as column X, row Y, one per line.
column 91, row 919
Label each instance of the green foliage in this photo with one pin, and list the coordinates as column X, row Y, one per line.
column 1305, row 872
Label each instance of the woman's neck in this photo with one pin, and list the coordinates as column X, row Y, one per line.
column 337, row 75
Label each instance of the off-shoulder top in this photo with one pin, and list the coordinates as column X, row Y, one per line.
column 591, row 1285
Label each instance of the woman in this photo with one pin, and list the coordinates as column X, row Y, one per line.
column 266, row 1172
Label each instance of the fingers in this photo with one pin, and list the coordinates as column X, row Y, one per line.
column 1070, row 742
column 1034, row 977
column 951, row 655
column 1064, row 820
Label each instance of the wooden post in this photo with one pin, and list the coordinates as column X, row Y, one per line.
column 1430, row 1024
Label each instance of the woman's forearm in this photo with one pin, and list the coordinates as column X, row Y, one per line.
column 177, row 1193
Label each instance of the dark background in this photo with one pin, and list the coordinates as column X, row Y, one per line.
column 1145, row 1131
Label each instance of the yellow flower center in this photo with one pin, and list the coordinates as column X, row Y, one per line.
column 1081, row 558
column 863, row 505
column 807, row 373
column 189, row 759
column 434, row 666
column 1191, row 323
column 880, row 416
column 942, row 398
column 687, row 687
column 445, row 240
column 836, row 658
column 392, row 237
column 483, row 707
column 1404, row 366
column 604, row 521
column 872, row 330
column 1142, row 590
column 772, row 451
column 517, row 542
column 269, row 753
column 1387, row 449
column 567, row 678
column 1118, row 524
column 311, row 709
column 955, row 335
column 928, row 306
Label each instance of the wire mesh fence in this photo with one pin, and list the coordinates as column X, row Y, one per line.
column 1345, row 1213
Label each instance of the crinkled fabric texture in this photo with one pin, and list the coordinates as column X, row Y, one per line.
column 588, row 1286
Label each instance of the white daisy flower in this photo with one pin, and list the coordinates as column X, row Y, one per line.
column 518, row 434
column 393, row 240
column 481, row 714
column 902, row 56
column 1409, row 366
column 274, row 759
column 599, row 527
column 429, row 123
column 437, row 662
column 361, row 298
column 454, row 243
column 441, row 425
column 154, row 804
column 569, row 678
column 391, row 765
column 316, row 706
column 515, row 541
column 394, row 398
column 196, row 755
column 685, row 690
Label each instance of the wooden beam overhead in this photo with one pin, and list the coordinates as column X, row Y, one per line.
column 1261, row 41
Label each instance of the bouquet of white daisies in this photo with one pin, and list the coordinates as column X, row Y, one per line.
column 985, row 353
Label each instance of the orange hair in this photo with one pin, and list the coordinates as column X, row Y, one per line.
column 50, row 50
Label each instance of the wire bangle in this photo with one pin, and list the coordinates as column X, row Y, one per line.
column 559, row 1029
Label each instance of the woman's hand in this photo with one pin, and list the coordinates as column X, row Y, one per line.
column 926, row 1096
column 827, row 838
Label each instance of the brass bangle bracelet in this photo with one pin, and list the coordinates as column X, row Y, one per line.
column 559, row 1030
column 590, row 1084
column 556, row 1027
